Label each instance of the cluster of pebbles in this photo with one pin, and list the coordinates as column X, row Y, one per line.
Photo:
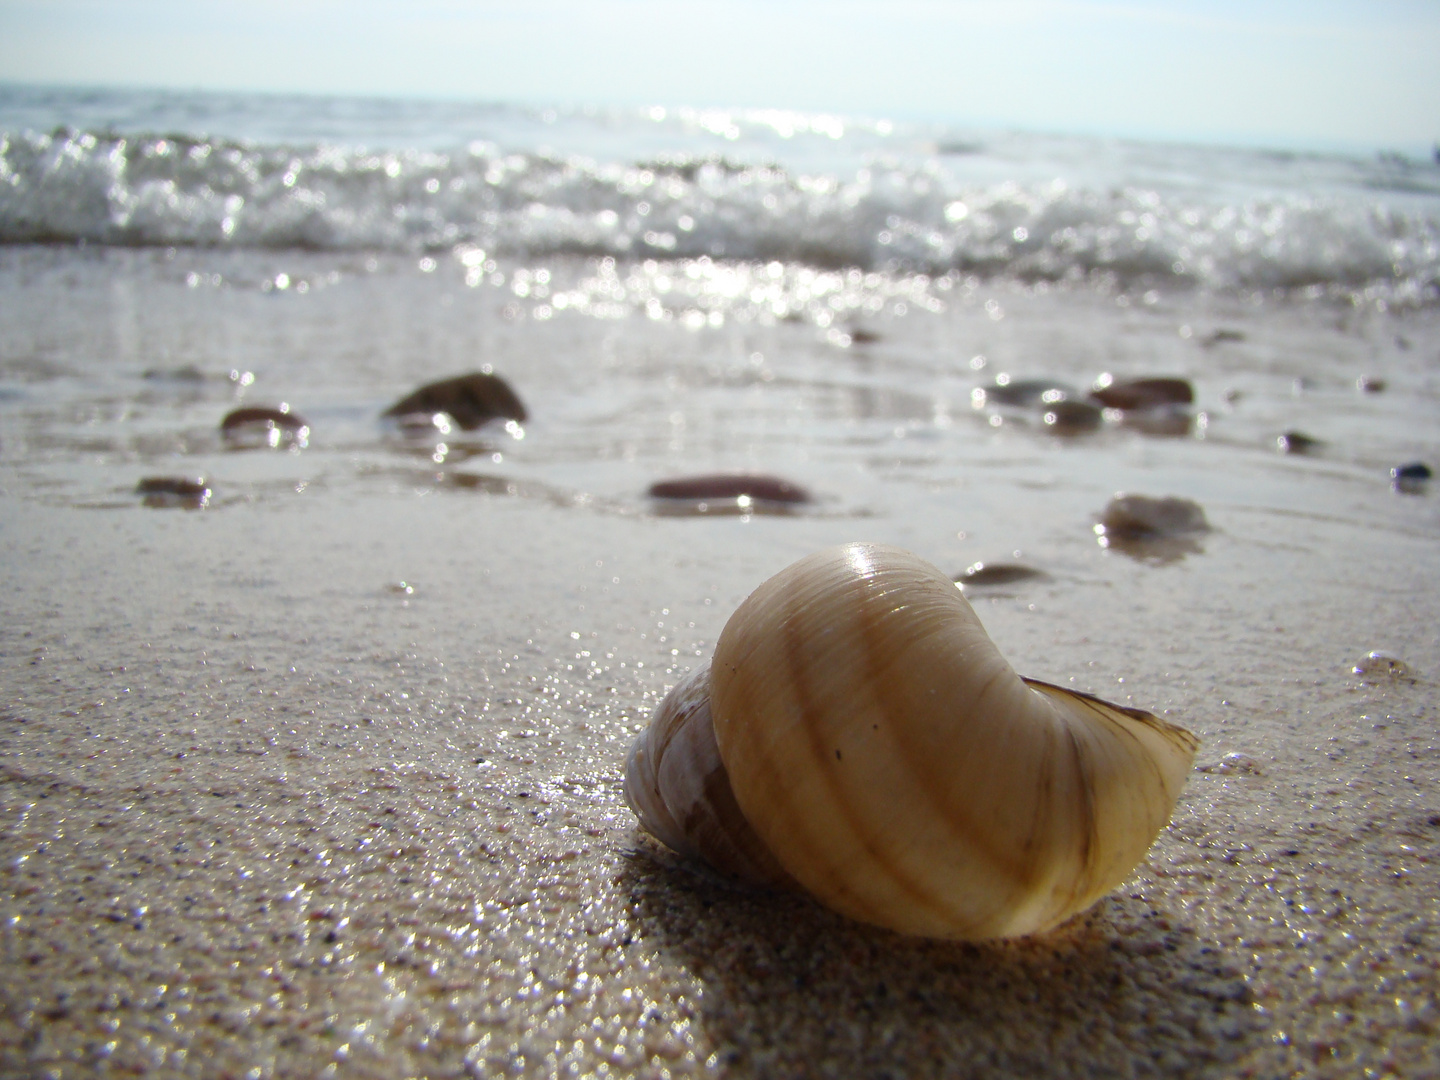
column 466, row 402
column 1154, row 406
column 1159, row 406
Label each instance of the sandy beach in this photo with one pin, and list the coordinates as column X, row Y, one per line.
column 325, row 778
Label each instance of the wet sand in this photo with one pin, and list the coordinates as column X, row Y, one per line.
column 325, row 778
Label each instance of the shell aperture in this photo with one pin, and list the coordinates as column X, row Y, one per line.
column 889, row 761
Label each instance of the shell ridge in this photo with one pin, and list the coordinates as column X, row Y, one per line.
column 814, row 727
column 1012, row 862
column 967, row 835
column 1086, row 798
column 1064, row 799
column 1108, row 865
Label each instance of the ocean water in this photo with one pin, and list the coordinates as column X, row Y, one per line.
column 827, row 192
column 675, row 290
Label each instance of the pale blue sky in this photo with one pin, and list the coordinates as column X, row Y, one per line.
column 1324, row 73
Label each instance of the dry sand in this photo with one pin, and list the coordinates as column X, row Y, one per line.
column 268, row 812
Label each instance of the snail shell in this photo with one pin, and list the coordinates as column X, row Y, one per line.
column 858, row 736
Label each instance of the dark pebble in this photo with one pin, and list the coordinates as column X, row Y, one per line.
column 770, row 489
column 248, row 417
column 469, row 400
column 982, row 574
column 861, row 336
column 1141, row 393
column 1412, row 479
column 1297, row 442
column 1369, row 384
column 256, row 427
column 171, row 485
column 182, row 491
column 1141, row 516
column 1024, row 393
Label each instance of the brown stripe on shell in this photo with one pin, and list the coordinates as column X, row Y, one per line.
column 814, row 728
column 1085, row 811
column 961, row 826
column 1089, row 883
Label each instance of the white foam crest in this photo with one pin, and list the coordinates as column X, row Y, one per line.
column 901, row 215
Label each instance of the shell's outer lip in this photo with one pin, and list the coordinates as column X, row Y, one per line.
column 848, row 693
column 1182, row 737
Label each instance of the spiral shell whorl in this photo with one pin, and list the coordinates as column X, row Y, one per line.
column 901, row 772
column 680, row 790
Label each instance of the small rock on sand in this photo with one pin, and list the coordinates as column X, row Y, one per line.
column 1297, row 442
column 1144, row 517
column 1411, row 479
column 982, row 574
column 730, row 486
column 1128, row 394
column 256, row 426
column 470, row 400
column 184, row 492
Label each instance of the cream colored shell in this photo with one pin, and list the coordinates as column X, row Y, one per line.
column 860, row 737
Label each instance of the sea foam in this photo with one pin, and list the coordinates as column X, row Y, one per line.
column 1033, row 210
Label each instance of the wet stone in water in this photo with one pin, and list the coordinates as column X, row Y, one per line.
column 254, row 427
column 183, row 492
column 982, row 574
column 1297, row 442
column 1411, row 479
column 1141, row 516
column 727, row 493
column 1130, row 394
column 470, row 400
